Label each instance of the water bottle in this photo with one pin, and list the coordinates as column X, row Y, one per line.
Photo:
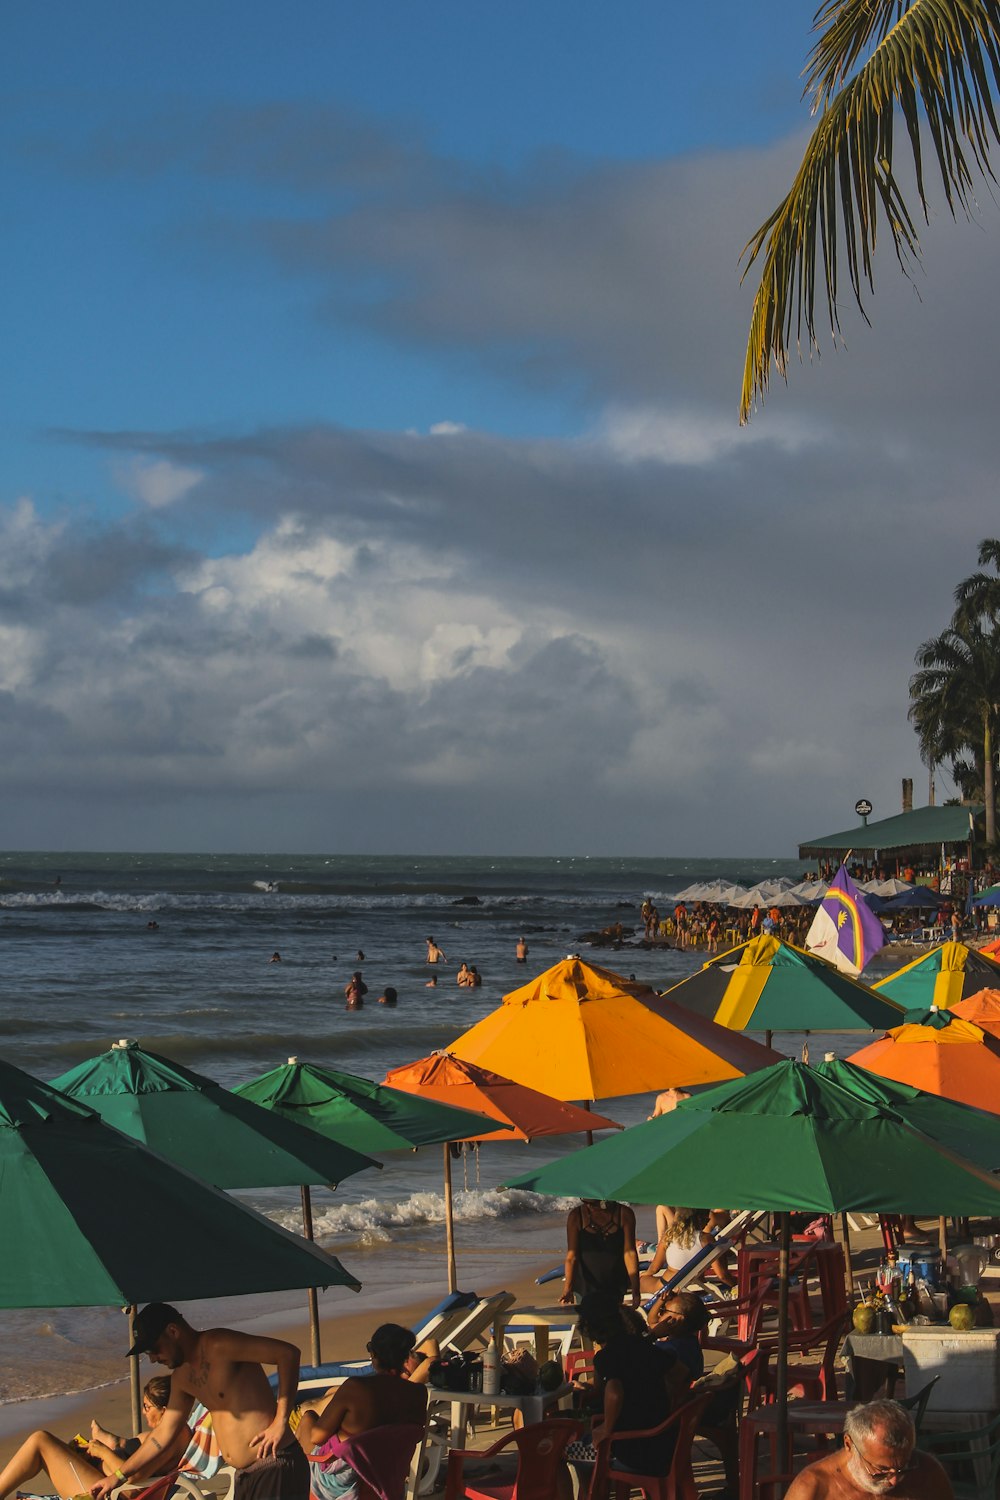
column 491, row 1369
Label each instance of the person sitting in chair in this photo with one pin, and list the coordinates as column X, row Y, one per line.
column 348, row 1465
column 75, row 1467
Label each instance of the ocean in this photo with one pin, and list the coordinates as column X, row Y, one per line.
column 83, row 968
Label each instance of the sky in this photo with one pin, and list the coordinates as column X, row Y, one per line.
column 371, row 478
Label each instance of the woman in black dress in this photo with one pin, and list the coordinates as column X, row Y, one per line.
column 600, row 1251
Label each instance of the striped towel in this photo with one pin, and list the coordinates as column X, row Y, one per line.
column 202, row 1454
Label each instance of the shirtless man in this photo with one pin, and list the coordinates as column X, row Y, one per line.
column 434, row 953
column 521, row 951
column 222, row 1369
column 879, row 1457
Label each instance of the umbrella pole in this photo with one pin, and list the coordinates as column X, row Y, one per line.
column 848, row 1266
column 449, row 1221
column 943, row 1239
column 781, row 1390
column 133, row 1373
column 767, row 1038
column 588, row 1105
column 312, row 1295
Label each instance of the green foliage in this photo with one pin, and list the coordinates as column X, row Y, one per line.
column 955, row 693
column 933, row 63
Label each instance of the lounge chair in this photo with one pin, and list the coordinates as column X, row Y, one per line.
column 454, row 1326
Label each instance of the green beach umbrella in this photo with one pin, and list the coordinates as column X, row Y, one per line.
column 784, row 1139
column 767, row 985
column 91, row 1218
column 199, row 1125
column 355, row 1109
column 967, row 1131
column 362, row 1114
column 204, row 1127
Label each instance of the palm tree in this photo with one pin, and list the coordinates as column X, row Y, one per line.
column 977, row 598
column 935, row 62
column 955, row 703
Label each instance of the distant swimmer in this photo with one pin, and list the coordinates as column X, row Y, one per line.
column 275, row 957
column 431, row 983
column 475, row 978
column 58, row 880
column 389, row 997
column 152, row 926
column 434, row 953
column 464, row 976
column 360, row 956
column 355, row 991
column 522, row 951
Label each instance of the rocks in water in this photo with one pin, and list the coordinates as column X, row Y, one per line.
column 467, row 901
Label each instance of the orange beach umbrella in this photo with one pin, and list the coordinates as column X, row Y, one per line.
column 582, row 1032
column 982, row 1009
column 522, row 1112
column 942, row 1054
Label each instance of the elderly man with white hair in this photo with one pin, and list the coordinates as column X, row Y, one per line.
column 879, row 1457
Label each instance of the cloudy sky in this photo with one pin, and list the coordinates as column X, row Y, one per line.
column 371, row 474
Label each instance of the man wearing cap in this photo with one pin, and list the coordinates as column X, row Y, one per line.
column 222, row 1369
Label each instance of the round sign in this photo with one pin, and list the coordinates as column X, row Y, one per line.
column 863, row 808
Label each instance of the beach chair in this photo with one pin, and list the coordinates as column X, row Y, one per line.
column 463, row 1327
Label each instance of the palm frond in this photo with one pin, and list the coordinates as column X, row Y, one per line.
column 940, row 58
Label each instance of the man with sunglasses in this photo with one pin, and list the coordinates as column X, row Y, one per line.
column 879, row 1457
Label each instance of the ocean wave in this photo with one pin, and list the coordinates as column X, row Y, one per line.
column 372, row 1220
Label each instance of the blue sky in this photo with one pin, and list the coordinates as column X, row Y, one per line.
column 131, row 315
column 370, row 475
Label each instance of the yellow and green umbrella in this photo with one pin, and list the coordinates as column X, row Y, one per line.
column 767, row 985
column 948, row 973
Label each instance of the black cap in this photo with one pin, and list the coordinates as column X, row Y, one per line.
column 150, row 1323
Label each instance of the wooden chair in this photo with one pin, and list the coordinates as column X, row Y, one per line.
column 678, row 1484
column 540, row 1448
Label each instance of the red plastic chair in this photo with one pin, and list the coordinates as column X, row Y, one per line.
column 578, row 1363
column 677, row 1485
column 541, row 1449
column 811, row 1382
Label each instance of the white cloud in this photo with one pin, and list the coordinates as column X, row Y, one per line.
column 155, row 481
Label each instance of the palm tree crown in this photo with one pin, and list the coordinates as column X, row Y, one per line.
column 930, row 61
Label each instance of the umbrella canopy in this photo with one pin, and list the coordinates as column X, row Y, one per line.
column 785, row 1139
column 914, row 898
column 363, row 1114
column 203, row 1127
column 982, row 1009
column 891, row 887
column 947, row 973
column 767, row 985
column 936, row 1051
column 965, row 1130
column 989, row 897
column 582, row 1032
column 522, row 1112
column 512, row 1108
column 177, row 1239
